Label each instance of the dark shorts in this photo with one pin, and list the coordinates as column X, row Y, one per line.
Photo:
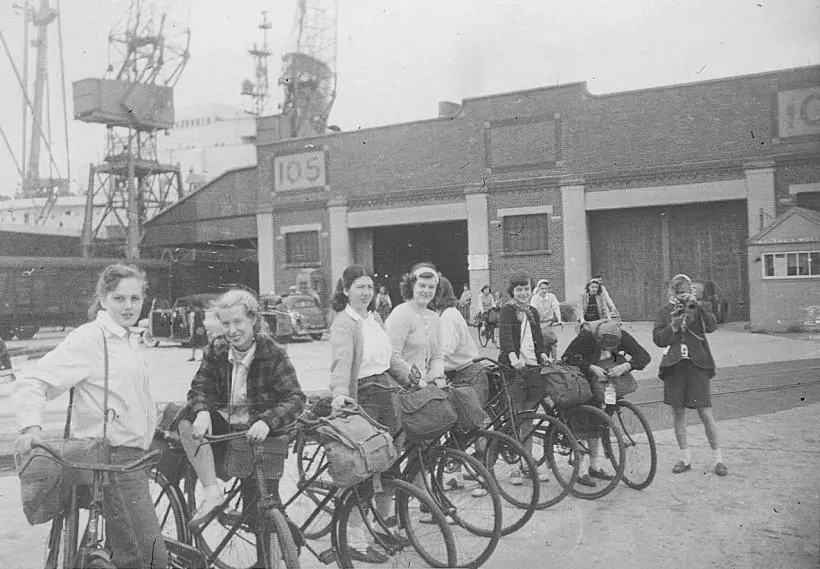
column 377, row 402
column 687, row 385
column 527, row 387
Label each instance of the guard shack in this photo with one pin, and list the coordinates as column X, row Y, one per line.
column 784, row 273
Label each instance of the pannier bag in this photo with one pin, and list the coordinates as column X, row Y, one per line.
column 45, row 485
column 565, row 384
column 357, row 447
column 425, row 413
column 469, row 413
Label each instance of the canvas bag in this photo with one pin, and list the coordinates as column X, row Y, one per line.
column 357, row 447
column 44, row 484
column 469, row 413
column 565, row 384
column 425, row 413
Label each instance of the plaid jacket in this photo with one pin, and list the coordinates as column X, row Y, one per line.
column 274, row 393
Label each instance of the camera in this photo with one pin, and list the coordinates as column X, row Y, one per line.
column 681, row 307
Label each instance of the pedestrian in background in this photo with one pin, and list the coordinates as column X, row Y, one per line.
column 610, row 304
column 383, row 303
column 464, row 303
column 199, row 336
column 79, row 362
column 412, row 327
column 593, row 305
column 687, row 366
column 549, row 310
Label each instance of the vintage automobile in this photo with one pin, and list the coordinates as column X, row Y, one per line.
column 172, row 323
column 297, row 316
column 708, row 290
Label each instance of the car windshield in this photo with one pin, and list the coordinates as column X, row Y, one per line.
column 300, row 302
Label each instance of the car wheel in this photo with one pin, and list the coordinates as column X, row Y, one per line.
column 316, row 337
column 149, row 340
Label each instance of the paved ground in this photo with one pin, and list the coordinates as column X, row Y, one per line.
column 765, row 514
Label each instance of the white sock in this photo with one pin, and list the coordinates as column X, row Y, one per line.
column 357, row 538
column 212, row 491
column 717, row 456
column 686, row 457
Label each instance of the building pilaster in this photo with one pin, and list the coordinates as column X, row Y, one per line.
column 576, row 237
column 760, row 197
column 340, row 252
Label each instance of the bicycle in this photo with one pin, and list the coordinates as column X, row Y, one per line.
column 230, row 539
column 533, row 430
column 488, row 327
column 89, row 551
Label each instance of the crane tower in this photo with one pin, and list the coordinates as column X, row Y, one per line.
column 134, row 100
column 309, row 72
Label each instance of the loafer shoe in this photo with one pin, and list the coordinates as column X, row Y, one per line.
column 600, row 474
column 585, row 480
column 479, row 492
column 369, row 555
column 681, row 467
column 721, row 470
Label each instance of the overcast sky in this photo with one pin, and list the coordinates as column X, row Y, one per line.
column 398, row 58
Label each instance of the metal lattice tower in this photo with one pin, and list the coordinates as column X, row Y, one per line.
column 309, row 72
column 148, row 51
column 259, row 89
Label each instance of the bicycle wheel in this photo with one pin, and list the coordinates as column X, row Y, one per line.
column 494, row 335
column 464, row 490
column 537, row 433
column 226, row 541
column 281, row 550
column 589, row 422
column 310, row 460
column 483, row 337
column 63, row 539
column 169, row 505
column 503, row 455
column 641, row 452
column 409, row 543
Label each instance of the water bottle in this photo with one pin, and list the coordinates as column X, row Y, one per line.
column 609, row 394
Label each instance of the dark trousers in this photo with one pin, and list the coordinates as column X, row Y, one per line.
column 132, row 526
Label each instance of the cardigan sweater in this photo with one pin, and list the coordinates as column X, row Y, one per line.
column 414, row 335
column 510, row 332
column 347, row 345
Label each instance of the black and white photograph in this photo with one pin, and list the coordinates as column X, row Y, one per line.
column 363, row 283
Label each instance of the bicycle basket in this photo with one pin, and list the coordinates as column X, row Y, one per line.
column 239, row 458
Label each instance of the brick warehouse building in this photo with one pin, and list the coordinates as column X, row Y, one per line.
column 635, row 185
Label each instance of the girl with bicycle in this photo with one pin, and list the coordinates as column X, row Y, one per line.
column 602, row 351
column 363, row 363
column 522, row 347
column 245, row 381
column 79, row 361
column 549, row 310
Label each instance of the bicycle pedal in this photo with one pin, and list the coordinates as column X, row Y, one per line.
column 327, row 556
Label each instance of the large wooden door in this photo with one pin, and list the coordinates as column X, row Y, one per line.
column 638, row 250
column 626, row 250
column 708, row 241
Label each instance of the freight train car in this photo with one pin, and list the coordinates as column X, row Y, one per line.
column 56, row 291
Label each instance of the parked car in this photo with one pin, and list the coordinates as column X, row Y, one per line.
column 172, row 323
column 708, row 290
column 297, row 316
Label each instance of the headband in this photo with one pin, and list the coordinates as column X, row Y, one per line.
column 424, row 270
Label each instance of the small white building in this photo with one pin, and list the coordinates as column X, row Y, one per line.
column 207, row 141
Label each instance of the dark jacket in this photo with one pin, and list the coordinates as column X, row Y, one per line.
column 509, row 331
column 699, row 322
column 274, row 393
column 584, row 351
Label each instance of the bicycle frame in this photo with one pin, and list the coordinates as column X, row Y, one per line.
column 92, row 544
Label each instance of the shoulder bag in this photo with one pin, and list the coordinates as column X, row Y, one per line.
column 44, row 484
column 425, row 413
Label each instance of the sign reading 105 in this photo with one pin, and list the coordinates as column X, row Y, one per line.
column 299, row 171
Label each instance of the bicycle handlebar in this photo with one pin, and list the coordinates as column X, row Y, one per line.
column 52, row 454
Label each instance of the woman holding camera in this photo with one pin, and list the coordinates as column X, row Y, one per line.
column 687, row 366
